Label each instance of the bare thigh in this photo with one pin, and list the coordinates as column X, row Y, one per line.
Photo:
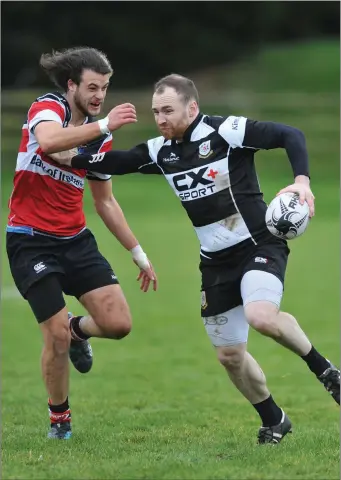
column 109, row 309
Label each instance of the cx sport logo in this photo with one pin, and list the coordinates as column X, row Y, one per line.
column 196, row 183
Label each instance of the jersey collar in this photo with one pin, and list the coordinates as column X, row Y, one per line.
column 192, row 127
column 68, row 108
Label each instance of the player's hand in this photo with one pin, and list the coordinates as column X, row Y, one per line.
column 302, row 188
column 147, row 273
column 147, row 276
column 121, row 115
column 64, row 158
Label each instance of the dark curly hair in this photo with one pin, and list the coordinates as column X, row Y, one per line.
column 69, row 64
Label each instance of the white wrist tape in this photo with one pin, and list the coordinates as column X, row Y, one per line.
column 140, row 257
column 103, row 125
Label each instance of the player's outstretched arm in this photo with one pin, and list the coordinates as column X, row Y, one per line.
column 114, row 162
column 118, row 162
column 53, row 138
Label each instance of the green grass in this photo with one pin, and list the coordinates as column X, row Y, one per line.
column 157, row 404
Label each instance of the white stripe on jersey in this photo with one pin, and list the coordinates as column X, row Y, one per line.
column 100, row 176
column 229, row 231
column 202, row 130
column 44, row 115
column 231, row 193
column 233, row 131
column 24, row 158
column 222, row 234
column 40, row 167
column 155, row 145
column 201, row 181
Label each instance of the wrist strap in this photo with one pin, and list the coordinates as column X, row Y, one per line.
column 103, row 125
column 136, row 250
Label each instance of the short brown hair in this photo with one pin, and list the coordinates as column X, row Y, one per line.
column 69, row 64
column 182, row 85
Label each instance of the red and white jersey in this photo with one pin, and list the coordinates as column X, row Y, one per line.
column 47, row 196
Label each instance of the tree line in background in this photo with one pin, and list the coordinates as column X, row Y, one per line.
column 145, row 40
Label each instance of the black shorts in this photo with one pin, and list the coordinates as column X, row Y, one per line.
column 221, row 281
column 77, row 262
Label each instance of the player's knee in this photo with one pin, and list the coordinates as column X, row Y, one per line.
column 261, row 316
column 111, row 313
column 231, row 358
column 116, row 324
column 58, row 338
column 120, row 328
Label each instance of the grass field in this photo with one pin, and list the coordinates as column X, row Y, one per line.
column 157, row 405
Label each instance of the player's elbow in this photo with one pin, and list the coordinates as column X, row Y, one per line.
column 296, row 133
column 102, row 205
column 293, row 138
column 50, row 143
column 48, row 146
column 299, row 134
column 50, row 137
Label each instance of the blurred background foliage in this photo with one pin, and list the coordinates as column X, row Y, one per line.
column 145, row 40
column 275, row 61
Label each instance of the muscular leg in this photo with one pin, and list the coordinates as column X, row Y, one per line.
column 109, row 313
column 47, row 302
column 262, row 293
column 282, row 327
column 55, row 356
column 228, row 333
column 244, row 372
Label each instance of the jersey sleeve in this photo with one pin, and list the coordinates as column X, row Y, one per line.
column 232, row 129
column 241, row 132
column 45, row 111
column 119, row 162
column 99, row 146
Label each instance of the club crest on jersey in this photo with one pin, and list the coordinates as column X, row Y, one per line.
column 205, row 149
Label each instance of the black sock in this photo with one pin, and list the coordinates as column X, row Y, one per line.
column 75, row 327
column 60, row 413
column 269, row 412
column 316, row 362
column 59, row 408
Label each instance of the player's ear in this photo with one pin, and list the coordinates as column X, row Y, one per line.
column 71, row 86
column 193, row 108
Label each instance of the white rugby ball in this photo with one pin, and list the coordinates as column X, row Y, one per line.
column 286, row 218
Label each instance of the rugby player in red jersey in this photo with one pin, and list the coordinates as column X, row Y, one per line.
column 50, row 249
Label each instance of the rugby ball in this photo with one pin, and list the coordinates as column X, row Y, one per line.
column 285, row 217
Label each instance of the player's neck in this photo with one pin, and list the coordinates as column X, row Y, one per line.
column 78, row 116
column 180, row 138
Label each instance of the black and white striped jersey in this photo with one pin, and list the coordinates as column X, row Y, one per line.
column 212, row 172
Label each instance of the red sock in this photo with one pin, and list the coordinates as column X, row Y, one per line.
column 59, row 413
